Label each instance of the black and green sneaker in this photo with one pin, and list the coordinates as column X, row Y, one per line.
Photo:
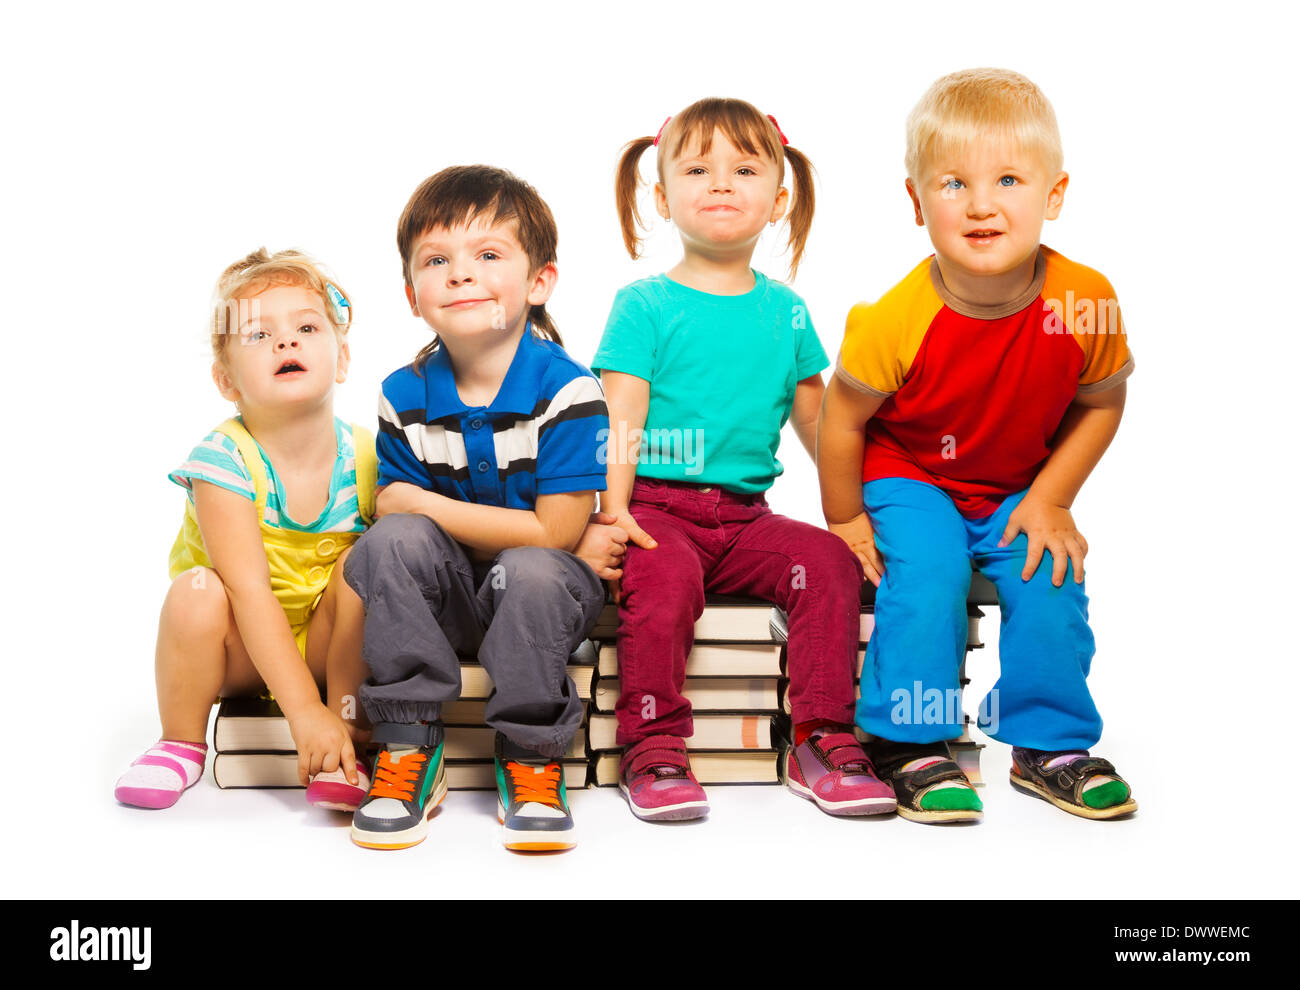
column 531, row 803
column 409, row 782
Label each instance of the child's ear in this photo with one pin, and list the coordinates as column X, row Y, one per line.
column 916, row 202
column 225, row 384
column 779, row 207
column 345, row 359
column 1056, row 196
column 410, row 298
column 661, row 201
column 543, row 284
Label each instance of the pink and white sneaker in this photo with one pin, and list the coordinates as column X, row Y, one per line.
column 330, row 789
column 655, row 777
column 159, row 777
column 832, row 770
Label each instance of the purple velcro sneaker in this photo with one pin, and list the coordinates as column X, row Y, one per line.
column 832, row 770
column 655, row 777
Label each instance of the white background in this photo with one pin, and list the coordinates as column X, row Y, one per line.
column 147, row 146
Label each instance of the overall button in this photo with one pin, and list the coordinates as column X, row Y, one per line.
column 316, row 574
column 476, row 424
column 325, row 547
column 483, row 465
column 706, row 490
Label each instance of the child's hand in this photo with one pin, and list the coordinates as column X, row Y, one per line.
column 1047, row 526
column 602, row 546
column 323, row 743
column 857, row 533
column 624, row 521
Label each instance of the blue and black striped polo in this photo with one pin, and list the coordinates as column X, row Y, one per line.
column 543, row 434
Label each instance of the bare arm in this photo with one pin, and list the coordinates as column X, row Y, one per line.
column 556, row 520
column 628, row 398
column 233, row 539
column 1043, row 515
column 806, row 410
column 841, row 442
column 1086, row 430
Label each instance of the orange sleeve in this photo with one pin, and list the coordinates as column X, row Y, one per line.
column 1085, row 302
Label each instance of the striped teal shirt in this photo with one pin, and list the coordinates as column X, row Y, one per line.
column 217, row 461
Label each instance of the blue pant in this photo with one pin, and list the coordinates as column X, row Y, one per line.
column 910, row 689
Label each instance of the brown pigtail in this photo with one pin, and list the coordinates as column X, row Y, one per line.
column 626, row 180
column 800, row 217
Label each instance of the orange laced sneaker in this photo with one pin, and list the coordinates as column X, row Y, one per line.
column 408, row 785
column 531, row 802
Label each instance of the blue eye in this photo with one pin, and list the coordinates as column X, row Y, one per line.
column 437, row 259
column 253, row 336
column 1007, row 180
column 490, row 256
column 953, row 184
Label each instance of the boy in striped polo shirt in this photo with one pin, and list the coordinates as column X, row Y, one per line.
column 488, row 464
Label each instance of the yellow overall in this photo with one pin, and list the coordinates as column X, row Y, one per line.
column 300, row 563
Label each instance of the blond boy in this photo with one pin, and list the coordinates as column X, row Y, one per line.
column 969, row 405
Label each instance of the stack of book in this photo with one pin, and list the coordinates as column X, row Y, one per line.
column 733, row 677
column 254, row 747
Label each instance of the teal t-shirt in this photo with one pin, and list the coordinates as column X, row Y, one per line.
column 722, row 373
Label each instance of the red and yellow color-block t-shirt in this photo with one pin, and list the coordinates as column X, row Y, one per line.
column 974, row 394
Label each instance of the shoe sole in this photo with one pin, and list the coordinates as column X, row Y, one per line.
column 682, row 812
column 940, row 817
column 334, row 796
column 845, row 809
column 841, row 809
column 532, row 843
column 412, row 836
column 1083, row 811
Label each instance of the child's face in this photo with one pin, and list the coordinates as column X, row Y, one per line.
column 474, row 280
column 984, row 207
column 722, row 199
column 285, row 355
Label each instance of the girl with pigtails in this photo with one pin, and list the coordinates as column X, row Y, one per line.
column 701, row 367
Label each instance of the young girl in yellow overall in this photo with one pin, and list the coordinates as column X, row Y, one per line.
column 254, row 591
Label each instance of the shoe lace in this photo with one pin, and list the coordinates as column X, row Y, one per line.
column 396, row 778
column 540, row 785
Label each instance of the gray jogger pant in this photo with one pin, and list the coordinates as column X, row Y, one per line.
column 427, row 604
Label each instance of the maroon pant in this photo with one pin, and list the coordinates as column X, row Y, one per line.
column 715, row 540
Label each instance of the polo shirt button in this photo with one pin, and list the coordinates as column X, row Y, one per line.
column 325, row 547
column 316, row 575
column 483, row 465
column 476, row 424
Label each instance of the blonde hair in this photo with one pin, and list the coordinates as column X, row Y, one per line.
column 260, row 270
column 747, row 129
column 974, row 103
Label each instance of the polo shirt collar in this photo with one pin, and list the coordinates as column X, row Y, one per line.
column 519, row 390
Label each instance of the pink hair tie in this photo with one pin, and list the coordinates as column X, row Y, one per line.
column 661, row 130
column 784, row 140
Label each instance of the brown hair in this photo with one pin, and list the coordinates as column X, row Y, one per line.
column 746, row 128
column 261, row 269
column 463, row 193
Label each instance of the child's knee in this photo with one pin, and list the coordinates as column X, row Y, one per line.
column 197, row 603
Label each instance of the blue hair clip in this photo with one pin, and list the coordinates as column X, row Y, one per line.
column 342, row 310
